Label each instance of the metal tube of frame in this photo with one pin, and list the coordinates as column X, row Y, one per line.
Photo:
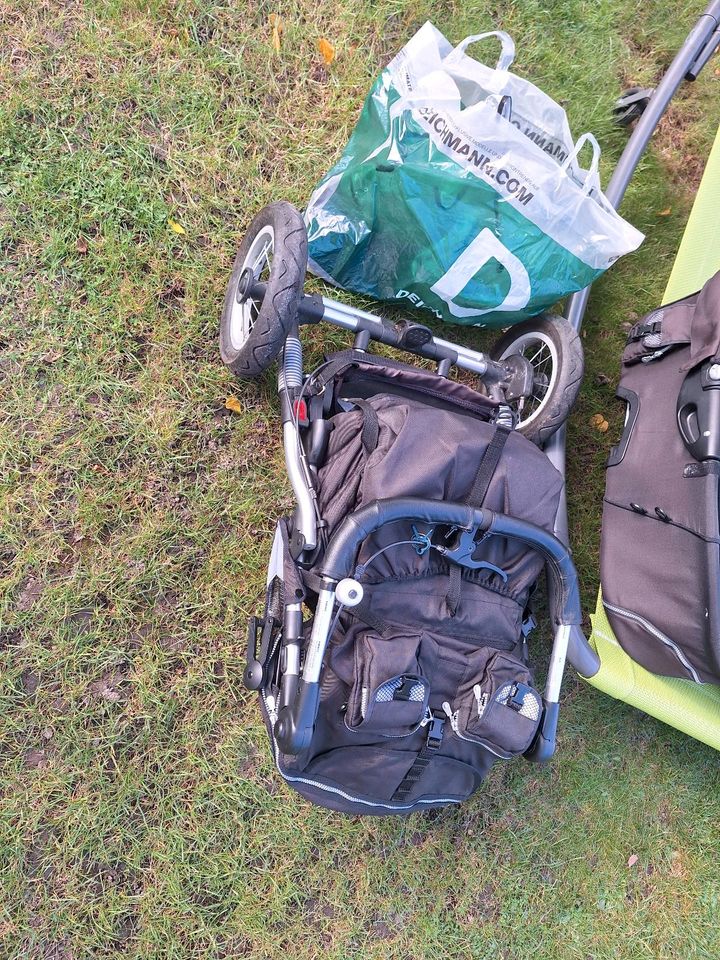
column 320, row 634
column 296, row 474
column 349, row 318
column 557, row 663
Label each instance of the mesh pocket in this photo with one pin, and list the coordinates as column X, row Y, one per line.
column 496, row 707
column 386, row 691
column 390, row 693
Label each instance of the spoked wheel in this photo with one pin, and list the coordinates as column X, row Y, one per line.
column 554, row 350
column 273, row 252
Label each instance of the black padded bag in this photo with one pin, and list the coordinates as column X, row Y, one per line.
column 660, row 547
column 419, row 695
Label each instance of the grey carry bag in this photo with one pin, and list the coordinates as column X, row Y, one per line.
column 411, row 676
column 660, row 549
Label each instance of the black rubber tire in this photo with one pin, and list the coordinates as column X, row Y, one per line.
column 278, row 311
column 558, row 403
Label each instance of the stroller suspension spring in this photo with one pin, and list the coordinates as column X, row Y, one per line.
column 290, row 374
column 505, row 417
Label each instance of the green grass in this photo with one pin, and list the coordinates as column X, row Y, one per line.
column 140, row 814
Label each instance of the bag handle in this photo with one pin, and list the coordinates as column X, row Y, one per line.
column 593, row 177
column 507, row 54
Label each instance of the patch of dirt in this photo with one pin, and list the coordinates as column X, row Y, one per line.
column 172, row 294
column 126, row 930
column 485, row 907
column 56, row 950
column 10, row 638
column 29, row 594
column 34, row 854
column 30, row 681
column 35, row 759
column 112, row 686
column 81, row 621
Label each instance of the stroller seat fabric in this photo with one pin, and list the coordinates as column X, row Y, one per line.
column 425, row 683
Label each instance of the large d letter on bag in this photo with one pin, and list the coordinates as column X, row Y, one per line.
column 460, row 188
column 484, row 247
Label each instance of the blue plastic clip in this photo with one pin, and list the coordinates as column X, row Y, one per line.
column 421, row 541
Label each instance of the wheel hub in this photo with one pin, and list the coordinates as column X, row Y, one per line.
column 245, row 283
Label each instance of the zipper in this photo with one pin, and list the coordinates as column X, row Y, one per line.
column 481, row 698
column 455, row 724
column 397, row 736
column 655, row 632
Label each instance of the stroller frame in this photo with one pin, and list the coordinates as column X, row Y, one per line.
column 293, row 714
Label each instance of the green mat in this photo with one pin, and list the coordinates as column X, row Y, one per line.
column 692, row 708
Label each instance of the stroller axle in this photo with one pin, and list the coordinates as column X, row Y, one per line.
column 413, row 337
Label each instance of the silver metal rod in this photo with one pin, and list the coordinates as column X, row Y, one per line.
column 347, row 317
column 319, row 637
column 557, row 663
column 305, row 507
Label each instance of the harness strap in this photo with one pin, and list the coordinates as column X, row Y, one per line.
column 478, row 492
column 422, row 760
column 371, row 425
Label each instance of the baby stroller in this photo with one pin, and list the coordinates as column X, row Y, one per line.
column 391, row 658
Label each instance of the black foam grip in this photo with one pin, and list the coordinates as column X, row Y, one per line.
column 341, row 554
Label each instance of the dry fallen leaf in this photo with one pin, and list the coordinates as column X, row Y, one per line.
column 599, row 422
column 277, row 28
column 666, row 212
column 81, row 245
column 327, row 50
column 232, row 403
column 176, row 227
column 632, row 860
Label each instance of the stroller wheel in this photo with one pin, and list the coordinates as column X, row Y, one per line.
column 631, row 105
column 554, row 349
column 273, row 252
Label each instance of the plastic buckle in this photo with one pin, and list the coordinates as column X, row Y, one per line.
column 642, row 330
column 528, row 625
column 435, row 731
column 421, row 541
column 405, row 689
column 517, row 700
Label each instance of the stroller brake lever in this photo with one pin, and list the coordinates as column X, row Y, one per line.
column 462, row 554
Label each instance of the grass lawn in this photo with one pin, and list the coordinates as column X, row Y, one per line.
column 140, row 815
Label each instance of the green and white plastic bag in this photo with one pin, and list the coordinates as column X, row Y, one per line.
column 451, row 197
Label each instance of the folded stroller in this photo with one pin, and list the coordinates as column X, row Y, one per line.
column 391, row 658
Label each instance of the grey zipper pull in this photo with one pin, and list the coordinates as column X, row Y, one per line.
column 481, row 698
column 452, row 717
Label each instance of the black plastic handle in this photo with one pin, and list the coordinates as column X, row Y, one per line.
column 341, row 555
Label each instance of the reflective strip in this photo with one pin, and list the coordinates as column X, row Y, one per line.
column 646, row 625
column 348, row 796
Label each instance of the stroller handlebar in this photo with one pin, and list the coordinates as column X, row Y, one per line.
column 341, row 554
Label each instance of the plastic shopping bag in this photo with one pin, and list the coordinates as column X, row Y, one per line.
column 460, row 191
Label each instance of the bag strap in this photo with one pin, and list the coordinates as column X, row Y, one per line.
column 593, row 176
column 422, row 760
column 478, row 492
column 507, row 54
column 371, row 425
